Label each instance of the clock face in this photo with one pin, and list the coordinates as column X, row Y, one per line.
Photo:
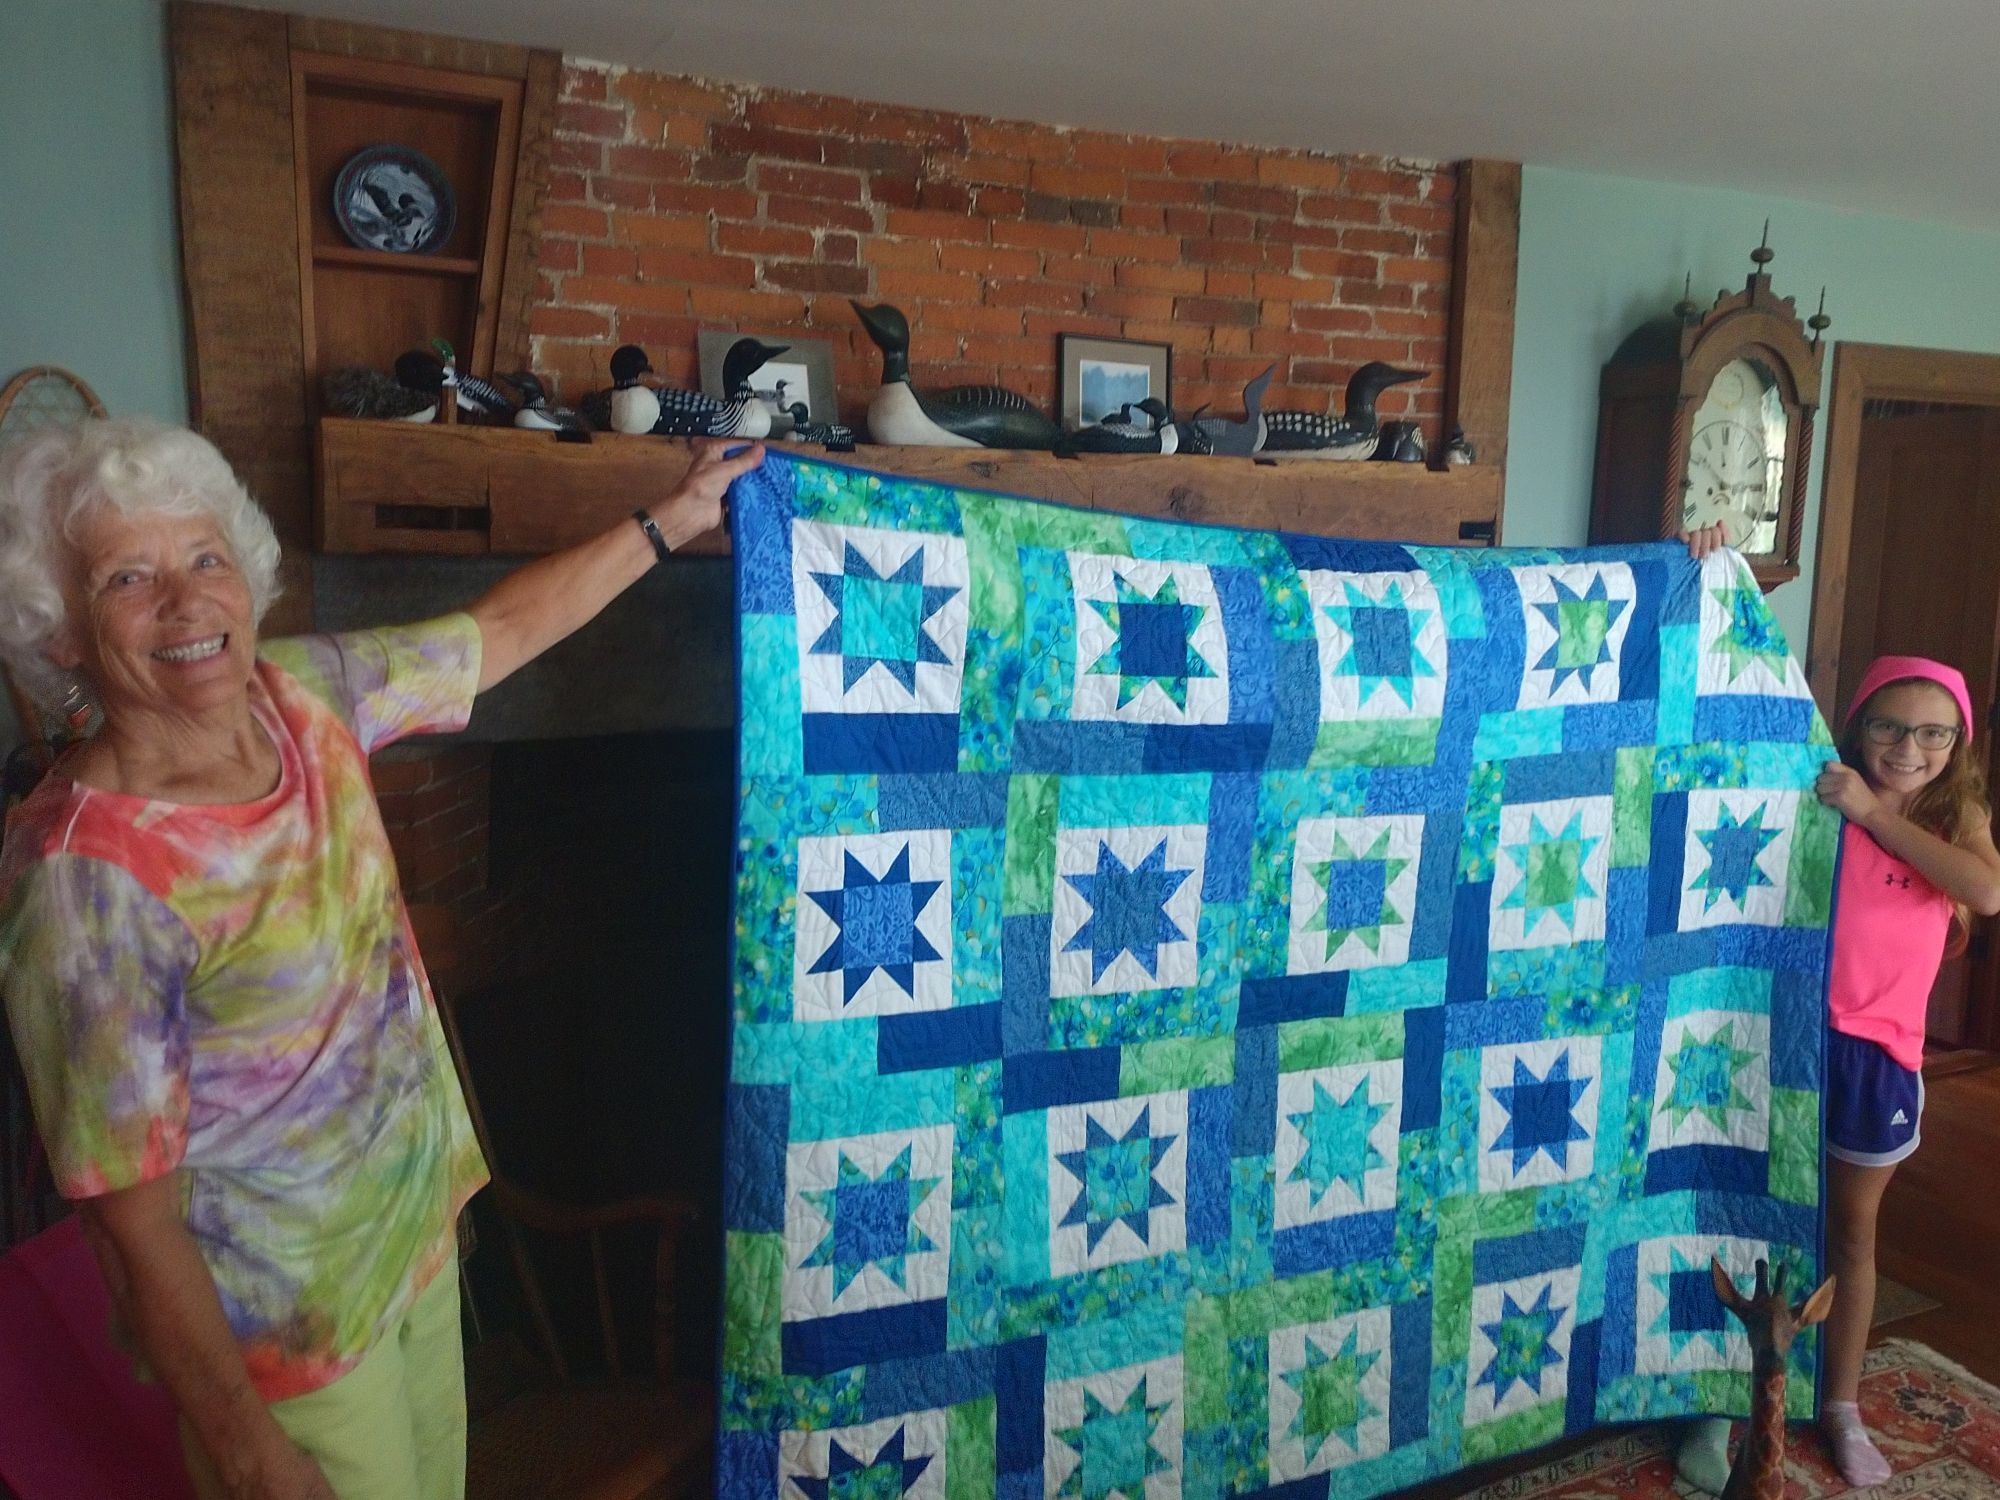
column 1736, row 458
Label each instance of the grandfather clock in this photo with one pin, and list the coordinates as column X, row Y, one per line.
column 1709, row 418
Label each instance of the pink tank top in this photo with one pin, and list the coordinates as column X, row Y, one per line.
column 1889, row 932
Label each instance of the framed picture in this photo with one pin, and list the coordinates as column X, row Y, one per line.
column 1097, row 376
column 804, row 372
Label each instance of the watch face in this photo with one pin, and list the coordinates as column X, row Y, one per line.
column 1736, row 458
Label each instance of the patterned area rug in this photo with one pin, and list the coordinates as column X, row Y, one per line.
column 1937, row 1424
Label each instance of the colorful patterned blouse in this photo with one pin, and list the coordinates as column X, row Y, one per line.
column 234, row 991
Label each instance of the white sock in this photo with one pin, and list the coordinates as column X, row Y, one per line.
column 1860, row 1462
column 1703, row 1458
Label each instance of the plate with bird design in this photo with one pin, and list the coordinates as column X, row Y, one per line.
column 394, row 198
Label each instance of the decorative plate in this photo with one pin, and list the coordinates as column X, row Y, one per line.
column 393, row 198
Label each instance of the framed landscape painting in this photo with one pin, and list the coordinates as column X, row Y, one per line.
column 1098, row 376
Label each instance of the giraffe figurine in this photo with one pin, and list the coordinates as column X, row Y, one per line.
column 1772, row 1323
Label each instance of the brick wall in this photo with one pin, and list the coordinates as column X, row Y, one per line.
column 676, row 205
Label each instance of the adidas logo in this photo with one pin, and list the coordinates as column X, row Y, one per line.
column 1899, row 1118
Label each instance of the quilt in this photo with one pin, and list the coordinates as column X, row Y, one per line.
column 1226, row 1013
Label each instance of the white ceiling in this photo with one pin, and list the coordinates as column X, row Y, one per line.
column 1887, row 106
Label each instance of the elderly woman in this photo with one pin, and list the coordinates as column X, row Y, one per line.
column 228, row 1036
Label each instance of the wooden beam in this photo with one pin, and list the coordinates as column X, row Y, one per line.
column 1479, row 375
column 453, row 53
column 240, row 266
column 524, row 227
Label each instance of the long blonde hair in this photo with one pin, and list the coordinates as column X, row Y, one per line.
column 1951, row 807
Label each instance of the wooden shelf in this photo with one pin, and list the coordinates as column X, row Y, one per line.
column 386, row 260
column 395, row 487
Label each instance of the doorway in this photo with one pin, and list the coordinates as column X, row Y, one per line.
column 1909, row 562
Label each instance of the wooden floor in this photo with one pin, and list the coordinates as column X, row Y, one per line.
column 1940, row 1229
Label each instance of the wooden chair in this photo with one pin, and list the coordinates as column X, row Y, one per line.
column 565, row 1437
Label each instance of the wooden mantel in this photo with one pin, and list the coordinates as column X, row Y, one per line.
column 395, row 487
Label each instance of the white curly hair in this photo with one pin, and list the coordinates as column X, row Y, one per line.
column 137, row 466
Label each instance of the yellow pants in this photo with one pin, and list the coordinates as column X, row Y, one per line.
column 393, row 1427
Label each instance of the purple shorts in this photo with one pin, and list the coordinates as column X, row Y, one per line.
column 1873, row 1103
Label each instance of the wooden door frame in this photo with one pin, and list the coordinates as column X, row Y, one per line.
column 1864, row 373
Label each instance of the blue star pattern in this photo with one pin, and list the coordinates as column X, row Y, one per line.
column 1218, row 1012
column 874, row 925
column 1336, row 1142
column 1577, row 617
column 1382, row 650
column 1117, row 1180
column 1127, row 908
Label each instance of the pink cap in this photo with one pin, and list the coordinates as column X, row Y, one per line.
column 1887, row 669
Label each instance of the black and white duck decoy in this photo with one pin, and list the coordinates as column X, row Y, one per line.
column 836, row 437
column 959, row 416
column 1219, row 435
column 629, row 405
column 476, row 397
column 741, row 414
column 358, row 391
column 537, row 413
column 1352, row 435
column 1458, row 450
column 1119, row 433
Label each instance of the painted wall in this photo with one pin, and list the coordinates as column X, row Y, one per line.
column 88, row 237
column 1600, row 255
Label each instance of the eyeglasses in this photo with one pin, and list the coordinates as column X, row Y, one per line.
column 1928, row 736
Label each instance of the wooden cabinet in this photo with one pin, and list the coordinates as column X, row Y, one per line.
column 398, row 487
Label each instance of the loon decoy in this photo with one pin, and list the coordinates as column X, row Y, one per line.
column 836, row 437
column 357, row 391
column 741, row 414
column 1219, row 435
column 960, row 416
column 629, row 406
column 1118, row 433
column 1352, row 435
column 1458, row 450
column 536, row 413
column 480, row 397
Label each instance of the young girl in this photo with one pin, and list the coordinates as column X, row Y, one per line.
column 1917, row 857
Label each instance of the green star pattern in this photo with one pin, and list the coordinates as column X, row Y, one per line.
column 1552, row 878
column 1752, row 635
column 1322, row 875
column 1705, row 1072
column 1329, row 1390
column 1114, row 661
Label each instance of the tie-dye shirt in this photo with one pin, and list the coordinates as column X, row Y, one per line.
column 234, row 992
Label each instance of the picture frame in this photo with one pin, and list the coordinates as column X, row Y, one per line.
column 805, row 360
column 1094, row 377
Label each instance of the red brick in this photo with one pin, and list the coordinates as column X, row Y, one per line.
column 998, row 202
column 818, row 213
column 1008, row 171
column 713, row 166
column 1376, row 182
column 908, row 255
column 587, row 85
column 1118, row 245
column 1022, row 142
column 1065, row 238
column 1175, row 278
column 1119, row 153
column 700, row 198
column 921, row 224
column 1145, row 217
column 622, row 192
column 1354, row 351
column 1336, row 263
column 1388, row 320
column 610, row 260
column 697, row 268
column 569, row 154
column 1046, row 326
column 1237, row 373
column 806, row 182
column 922, row 127
column 1282, row 286
column 1415, row 269
column 809, row 112
column 557, row 254
column 1229, row 224
column 761, row 239
column 690, row 132
column 1286, row 341
column 944, row 196
column 566, row 187
column 1076, row 182
column 599, row 292
column 596, row 120
column 1212, row 163
column 1167, row 190
column 654, row 163
column 1079, row 270
column 958, row 317
column 399, row 774
column 1119, row 302
column 658, row 91
column 1291, row 232
column 1044, row 295
column 1256, row 200
column 1346, row 209
column 945, row 286
column 1216, row 310
column 1233, row 253
column 805, row 276
column 1318, row 172
column 1192, row 339
column 840, row 249
column 761, row 140
column 1379, row 241
column 567, row 218
column 895, row 189
column 1333, row 319
column 1240, row 284
column 652, row 331
column 750, row 307
column 674, row 231
column 1428, row 216
column 987, row 260
column 1234, row 341
column 1372, row 294
column 1009, row 354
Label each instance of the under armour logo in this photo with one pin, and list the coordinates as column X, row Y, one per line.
column 1901, row 880
column 1900, row 1119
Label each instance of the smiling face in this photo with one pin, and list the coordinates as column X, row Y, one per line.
column 159, row 615
column 1906, row 768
